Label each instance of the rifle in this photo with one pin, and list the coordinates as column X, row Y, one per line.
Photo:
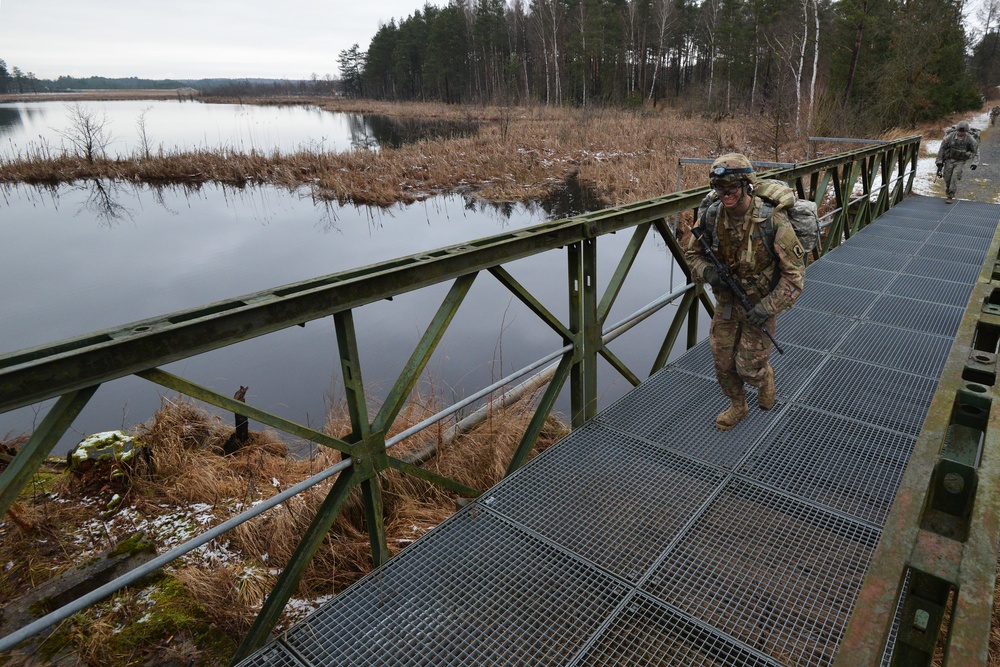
column 731, row 282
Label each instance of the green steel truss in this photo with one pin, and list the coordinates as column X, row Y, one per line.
column 851, row 189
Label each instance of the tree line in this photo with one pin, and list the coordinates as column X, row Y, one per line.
column 14, row 80
column 836, row 65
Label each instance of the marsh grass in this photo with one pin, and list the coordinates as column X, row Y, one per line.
column 519, row 154
column 186, row 486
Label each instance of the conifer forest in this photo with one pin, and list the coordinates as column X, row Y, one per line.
column 840, row 66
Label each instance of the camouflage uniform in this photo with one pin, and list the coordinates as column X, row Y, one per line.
column 955, row 151
column 741, row 351
column 994, row 112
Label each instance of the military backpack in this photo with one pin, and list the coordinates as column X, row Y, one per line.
column 974, row 131
column 777, row 196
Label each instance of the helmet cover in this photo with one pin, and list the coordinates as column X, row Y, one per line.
column 731, row 168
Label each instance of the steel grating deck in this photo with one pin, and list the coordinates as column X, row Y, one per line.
column 648, row 537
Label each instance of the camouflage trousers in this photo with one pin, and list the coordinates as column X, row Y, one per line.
column 952, row 173
column 741, row 352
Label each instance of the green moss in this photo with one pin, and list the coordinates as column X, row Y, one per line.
column 41, row 607
column 172, row 613
column 135, row 544
column 166, row 613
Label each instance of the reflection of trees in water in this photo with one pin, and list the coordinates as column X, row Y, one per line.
column 102, row 202
column 571, row 197
column 10, row 119
column 375, row 130
column 37, row 195
column 329, row 211
column 503, row 209
column 361, row 135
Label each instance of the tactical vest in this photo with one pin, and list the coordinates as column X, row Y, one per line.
column 752, row 260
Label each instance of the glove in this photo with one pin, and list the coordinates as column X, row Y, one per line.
column 712, row 277
column 758, row 315
column 973, row 166
column 940, row 171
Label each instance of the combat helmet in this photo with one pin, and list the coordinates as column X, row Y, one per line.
column 963, row 126
column 731, row 168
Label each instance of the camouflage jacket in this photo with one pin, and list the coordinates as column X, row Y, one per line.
column 773, row 280
column 953, row 148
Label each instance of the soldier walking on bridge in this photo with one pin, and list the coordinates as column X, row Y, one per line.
column 772, row 277
column 958, row 147
column 994, row 112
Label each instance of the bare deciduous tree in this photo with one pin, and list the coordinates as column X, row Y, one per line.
column 88, row 132
column 140, row 124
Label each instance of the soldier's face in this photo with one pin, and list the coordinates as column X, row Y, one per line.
column 730, row 194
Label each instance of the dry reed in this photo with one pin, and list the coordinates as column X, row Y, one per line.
column 519, row 154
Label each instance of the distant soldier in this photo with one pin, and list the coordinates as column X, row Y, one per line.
column 958, row 147
column 772, row 277
column 994, row 112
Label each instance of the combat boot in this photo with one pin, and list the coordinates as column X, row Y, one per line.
column 732, row 415
column 765, row 392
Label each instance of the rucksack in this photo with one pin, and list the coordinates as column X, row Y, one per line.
column 974, row 131
column 777, row 196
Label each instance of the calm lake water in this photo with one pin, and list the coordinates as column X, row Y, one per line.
column 95, row 255
column 187, row 125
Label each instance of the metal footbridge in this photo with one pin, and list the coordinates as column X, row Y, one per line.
column 855, row 523
column 648, row 537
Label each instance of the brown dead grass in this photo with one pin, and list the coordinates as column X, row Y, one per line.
column 519, row 154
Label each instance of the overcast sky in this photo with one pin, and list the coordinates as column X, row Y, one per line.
column 189, row 39
column 195, row 39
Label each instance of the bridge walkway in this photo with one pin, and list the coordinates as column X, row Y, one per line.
column 649, row 537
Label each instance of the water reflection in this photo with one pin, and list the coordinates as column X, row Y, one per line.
column 573, row 197
column 10, row 119
column 139, row 126
column 103, row 202
column 372, row 131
